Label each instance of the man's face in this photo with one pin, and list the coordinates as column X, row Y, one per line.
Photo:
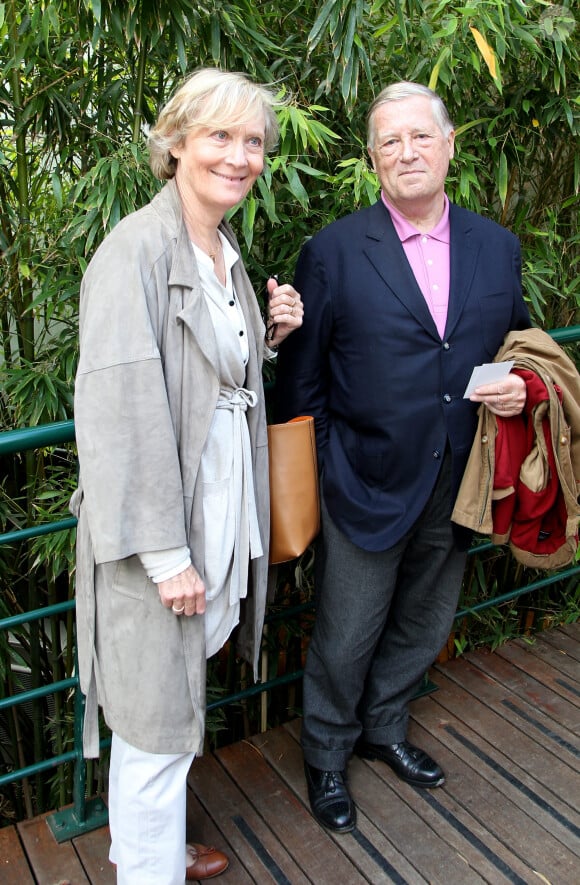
column 410, row 154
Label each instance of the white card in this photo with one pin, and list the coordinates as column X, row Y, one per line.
column 488, row 373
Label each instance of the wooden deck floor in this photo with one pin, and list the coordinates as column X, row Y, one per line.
column 505, row 726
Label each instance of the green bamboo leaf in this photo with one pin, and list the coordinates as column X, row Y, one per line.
column 402, row 19
column 346, row 89
column 347, row 45
column 443, row 56
column 57, row 188
column 296, row 186
column 502, row 178
column 320, row 23
column 215, row 39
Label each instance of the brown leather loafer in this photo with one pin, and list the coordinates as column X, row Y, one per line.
column 204, row 862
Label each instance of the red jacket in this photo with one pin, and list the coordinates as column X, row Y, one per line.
column 528, row 508
column 522, row 479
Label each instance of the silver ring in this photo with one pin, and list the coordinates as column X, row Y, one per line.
column 178, row 611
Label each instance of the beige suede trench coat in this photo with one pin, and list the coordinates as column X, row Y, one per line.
column 145, row 394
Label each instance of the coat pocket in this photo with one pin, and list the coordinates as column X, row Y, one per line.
column 130, row 578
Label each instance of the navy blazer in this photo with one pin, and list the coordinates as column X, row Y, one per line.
column 368, row 363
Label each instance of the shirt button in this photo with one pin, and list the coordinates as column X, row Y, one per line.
column 446, row 398
column 241, row 334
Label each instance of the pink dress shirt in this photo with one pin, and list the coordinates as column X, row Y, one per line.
column 428, row 255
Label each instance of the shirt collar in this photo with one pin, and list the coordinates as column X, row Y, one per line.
column 405, row 230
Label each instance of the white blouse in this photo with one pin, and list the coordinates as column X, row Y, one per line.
column 230, row 523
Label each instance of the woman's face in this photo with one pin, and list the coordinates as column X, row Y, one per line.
column 217, row 167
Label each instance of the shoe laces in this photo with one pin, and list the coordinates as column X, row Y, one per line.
column 331, row 780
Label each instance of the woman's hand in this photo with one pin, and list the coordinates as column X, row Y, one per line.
column 285, row 311
column 506, row 398
column 184, row 594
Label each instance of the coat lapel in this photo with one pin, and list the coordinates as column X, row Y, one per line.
column 464, row 251
column 192, row 309
column 386, row 254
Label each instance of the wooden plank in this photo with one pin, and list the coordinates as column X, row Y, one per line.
column 528, row 659
column 478, row 701
column 572, row 630
column 373, row 854
column 521, row 772
column 566, row 641
column 511, row 709
column 497, row 817
column 201, row 828
column 388, row 810
column 93, row 851
column 554, row 657
column 53, row 863
column 537, row 701
column 539, row 721
column 13, row 864
column 314, row 851
column 484, row 855
column 505, row 728
column 261, row 856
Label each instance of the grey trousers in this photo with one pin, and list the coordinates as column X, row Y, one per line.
column 381, row 620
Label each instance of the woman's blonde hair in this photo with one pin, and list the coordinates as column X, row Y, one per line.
column 209, row 97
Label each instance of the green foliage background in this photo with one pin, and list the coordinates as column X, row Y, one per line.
column 81, row 81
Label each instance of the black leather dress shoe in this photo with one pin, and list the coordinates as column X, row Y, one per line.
column 330, row 800
column 410, row 763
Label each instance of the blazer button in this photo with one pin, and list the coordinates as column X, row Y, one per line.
column 446, row 345
column 436, row 454
column 446, row 398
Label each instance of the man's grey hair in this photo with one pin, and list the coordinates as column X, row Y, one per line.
column 408, row 89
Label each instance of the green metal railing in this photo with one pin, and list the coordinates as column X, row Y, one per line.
column 87, row 814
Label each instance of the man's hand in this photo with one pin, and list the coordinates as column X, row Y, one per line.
column 506, row 398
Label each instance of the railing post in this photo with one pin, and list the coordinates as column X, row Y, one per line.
column 83, row 815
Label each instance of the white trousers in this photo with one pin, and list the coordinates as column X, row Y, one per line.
column 147, row 816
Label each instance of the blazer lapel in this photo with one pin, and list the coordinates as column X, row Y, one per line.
column 464, row 250
column 386, row 254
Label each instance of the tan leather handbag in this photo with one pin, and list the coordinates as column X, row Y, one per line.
column 294, row 494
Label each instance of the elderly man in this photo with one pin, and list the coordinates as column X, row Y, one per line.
column 401, row 301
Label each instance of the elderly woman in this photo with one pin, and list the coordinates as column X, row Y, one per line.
column 173, row 506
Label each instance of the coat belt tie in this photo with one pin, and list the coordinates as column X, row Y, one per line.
column 248, row 544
